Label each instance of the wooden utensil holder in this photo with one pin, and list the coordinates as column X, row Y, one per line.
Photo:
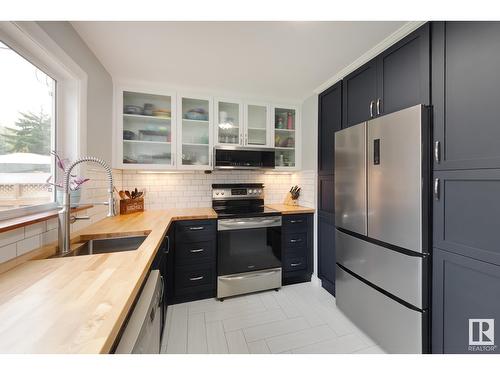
column 289, row 201
column 129, row 206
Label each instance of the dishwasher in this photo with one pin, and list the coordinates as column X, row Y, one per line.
column 142, row 333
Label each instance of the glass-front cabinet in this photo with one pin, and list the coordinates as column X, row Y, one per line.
column 162, row 130
column 228, row 122
column 147, row 130
column 285, row 130
column 257, row 125
column 195, row 129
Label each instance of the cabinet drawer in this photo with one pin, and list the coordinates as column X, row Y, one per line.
column 295, row 223
column 195, row 230
column 194, row 278
column 295, row 240
column 195, row 252
column 294, row 262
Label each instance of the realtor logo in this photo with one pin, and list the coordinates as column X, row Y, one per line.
column 482, row 332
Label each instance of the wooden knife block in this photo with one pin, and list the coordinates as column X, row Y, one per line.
column 289, row 201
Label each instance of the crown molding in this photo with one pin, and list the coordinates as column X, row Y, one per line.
column 399, row 34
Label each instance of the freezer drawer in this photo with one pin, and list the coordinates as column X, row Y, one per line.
column 396, row 328
column 396, row 273
column 395, row 178
column 350, row 178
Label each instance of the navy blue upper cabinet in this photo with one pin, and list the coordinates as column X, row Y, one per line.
column 397, row 78
column 359, row 94
column 466, row 94
column 330, row 120
column 403, row 73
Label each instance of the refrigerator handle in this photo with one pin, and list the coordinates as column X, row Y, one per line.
column 376, row 151
column 436, row 189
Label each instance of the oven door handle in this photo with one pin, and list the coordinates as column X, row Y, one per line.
column 250, row 276
column 248, row 223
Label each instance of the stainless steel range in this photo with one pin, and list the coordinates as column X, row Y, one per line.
column 249, row 240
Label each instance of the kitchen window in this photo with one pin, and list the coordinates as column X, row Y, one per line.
column 27, row 135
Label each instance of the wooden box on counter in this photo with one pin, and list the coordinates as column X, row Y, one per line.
column 129, row 206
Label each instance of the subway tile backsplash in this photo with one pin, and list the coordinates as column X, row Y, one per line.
column 194, row 189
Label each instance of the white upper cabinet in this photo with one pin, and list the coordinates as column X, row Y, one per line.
column 286, row 126
column 257, row 125
column 229, row 127
column 162, row 130
column 195, row 119
column 146, row 129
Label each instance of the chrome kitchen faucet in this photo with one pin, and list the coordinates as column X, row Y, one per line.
column 64, row 216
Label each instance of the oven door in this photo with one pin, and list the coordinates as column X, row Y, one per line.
column 248, row 244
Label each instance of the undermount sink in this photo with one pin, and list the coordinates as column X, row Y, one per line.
column 105, row 245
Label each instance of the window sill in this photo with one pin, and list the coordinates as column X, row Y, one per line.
column 22, row 221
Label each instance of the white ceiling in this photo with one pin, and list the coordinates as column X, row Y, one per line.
column 285, row 60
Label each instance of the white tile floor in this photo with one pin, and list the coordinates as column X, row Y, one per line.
column 301, row 318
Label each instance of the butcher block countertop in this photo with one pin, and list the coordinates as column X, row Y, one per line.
column 79, row 304
column 291, row 210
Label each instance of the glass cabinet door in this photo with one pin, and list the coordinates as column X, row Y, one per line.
column 147, row 129
column 257, row 125
column 195, row 129
column 228, row 123
column 284, row 136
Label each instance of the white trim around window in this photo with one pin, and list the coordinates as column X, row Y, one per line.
column 32, row 42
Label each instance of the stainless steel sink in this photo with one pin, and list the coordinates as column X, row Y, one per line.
column 106, row 245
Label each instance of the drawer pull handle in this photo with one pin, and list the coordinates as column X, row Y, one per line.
column 295, row 240
column 196, row 228
column 196, row 278
column 296, row 221
column 196, row 250
column 296, row 264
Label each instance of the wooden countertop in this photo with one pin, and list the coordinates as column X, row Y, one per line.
column 78, row 304
column 290, row 210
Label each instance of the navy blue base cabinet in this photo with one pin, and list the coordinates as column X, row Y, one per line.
column 466, row 293
column 297, row 248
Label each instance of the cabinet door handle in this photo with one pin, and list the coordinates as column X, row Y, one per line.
column 379, row 101
column 196, row 228
column 436, row 189
column 371, row 108
column 196, row 250
column 167, row 246
column 437, row 151
column 295, row 240
column 296, row 221
column 196, row 278
column 295, row 264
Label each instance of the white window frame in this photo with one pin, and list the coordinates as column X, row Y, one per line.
column 30, row 41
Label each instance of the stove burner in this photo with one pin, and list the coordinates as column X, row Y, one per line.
column 240, row 200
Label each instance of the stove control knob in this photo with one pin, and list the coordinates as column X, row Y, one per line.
column 222, row 193
column 216, row 193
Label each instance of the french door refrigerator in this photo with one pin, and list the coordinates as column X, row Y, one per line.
column 382, row 237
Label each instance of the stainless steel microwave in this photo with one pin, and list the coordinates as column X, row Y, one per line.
column 227, row 157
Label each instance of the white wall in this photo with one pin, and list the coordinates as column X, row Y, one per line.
column 309, row 123
column 99, row 87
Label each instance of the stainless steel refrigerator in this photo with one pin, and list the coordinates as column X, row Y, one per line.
column 382, row 236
